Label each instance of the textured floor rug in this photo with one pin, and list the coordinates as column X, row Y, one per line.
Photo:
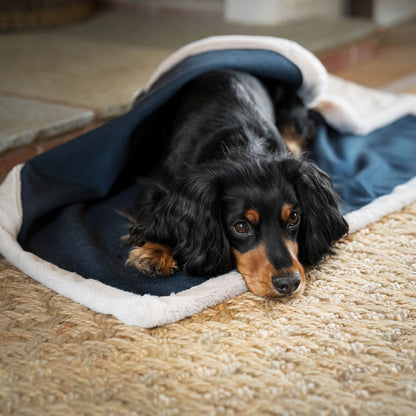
column 345, row 347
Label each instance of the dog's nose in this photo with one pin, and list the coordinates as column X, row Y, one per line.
column 286, row 283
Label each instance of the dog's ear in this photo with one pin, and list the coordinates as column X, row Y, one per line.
column 188, row 220
column 322, row 224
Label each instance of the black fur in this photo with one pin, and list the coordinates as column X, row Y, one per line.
column 225, row 155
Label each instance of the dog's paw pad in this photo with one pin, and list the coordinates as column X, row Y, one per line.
column 152, row 260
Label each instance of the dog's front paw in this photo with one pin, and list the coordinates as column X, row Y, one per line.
column 152, row 259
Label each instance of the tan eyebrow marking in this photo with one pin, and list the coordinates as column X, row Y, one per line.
column 252, row 215
column 286, row 212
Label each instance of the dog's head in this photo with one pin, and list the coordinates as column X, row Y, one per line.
column 267, row 219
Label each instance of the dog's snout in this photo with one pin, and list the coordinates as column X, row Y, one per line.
column 286, row 283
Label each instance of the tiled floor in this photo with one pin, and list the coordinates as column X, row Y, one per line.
column 52, row 81
column 393, row 64
column 23, row 119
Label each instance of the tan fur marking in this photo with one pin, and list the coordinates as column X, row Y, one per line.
column 256, row 271
column 253, row 216
column 293, row 249
column 152, row 259
column 294, row 141
column 286, row 211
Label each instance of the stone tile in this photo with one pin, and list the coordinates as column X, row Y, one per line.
column 174, row 32
column 22, row 120
column 75, row 72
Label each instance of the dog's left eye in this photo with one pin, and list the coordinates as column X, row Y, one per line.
column 242, row 228
column 293, row 219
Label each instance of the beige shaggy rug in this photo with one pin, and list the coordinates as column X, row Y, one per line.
column 346, row 347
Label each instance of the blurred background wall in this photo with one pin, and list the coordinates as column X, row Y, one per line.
column 270, row 12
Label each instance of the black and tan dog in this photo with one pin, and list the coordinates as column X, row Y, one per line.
column 232, row 194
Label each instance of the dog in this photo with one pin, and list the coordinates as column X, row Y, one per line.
column 231, row 193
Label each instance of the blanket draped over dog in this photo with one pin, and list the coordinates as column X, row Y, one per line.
column 60, row 216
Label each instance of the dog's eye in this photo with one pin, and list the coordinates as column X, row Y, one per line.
column 293, row 219
column 241, row 227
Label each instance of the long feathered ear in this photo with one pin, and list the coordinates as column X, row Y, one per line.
column 322, row 224
column 188, row 220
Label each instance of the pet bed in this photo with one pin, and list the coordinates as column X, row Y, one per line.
column 60, row 219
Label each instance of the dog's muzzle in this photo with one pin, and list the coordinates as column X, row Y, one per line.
column 286, row 283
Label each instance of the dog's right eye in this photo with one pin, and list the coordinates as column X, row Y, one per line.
column 242, row 228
